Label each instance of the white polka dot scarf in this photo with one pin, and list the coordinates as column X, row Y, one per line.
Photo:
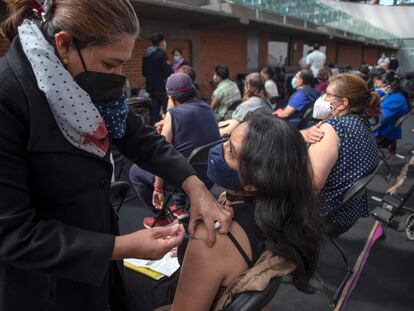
column 78, row 119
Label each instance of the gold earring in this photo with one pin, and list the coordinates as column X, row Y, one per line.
column 66, row 61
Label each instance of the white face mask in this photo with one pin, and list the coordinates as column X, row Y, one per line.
column 293, row 83
column 322, row 109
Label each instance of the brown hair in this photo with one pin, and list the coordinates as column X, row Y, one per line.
column 188, row 70
column 90, row 22
column 355, row 89
column 324, row 74
column 256, row 83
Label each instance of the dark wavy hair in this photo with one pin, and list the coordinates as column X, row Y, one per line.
column 275, row 160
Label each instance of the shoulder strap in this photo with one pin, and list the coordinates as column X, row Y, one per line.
column 240, row 249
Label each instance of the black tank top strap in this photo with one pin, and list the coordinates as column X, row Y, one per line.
column 240, row 249
column 244, row 209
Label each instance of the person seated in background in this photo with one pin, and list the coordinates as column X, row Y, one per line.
column 254, row 98
column 303, row 99
column 272, row 212
column 270, row 84
column 323, row 80
column 348, row 150
column 374, row 74
column 394, row 63
column 226, row 92
column 189, row 125
column 364, row 70
column 192, row 74
column 394, row 104
column 178, row 60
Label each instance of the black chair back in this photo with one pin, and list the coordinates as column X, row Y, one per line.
column 308, row 113
column 199, row 156
column 401, row 120
column 359, row 187
column 118, row 192
column 254, row 301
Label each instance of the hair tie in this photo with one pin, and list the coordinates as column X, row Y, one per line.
column 37, row 8
column 47, row 10
column 43, row 9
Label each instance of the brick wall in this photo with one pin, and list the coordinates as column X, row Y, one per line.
column 371, row 56
column 220, row 46
column 350, row 55
column 264, row 49
column 297, row 51
column 331, row 50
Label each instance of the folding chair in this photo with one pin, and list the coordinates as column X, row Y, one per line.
column 392, row 147
column 255, row 301
column 356, row 191
column 392, row 204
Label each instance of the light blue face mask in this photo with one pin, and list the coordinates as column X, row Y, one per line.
column 293, row 83
column 381, row 91
column 176, row 58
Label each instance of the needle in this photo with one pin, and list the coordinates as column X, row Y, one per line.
column 190, row 237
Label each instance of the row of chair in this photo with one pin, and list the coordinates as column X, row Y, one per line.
column 257, row 300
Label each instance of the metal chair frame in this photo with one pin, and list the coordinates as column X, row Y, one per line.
column 357, row 190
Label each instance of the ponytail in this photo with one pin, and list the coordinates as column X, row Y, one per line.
column 355, row 89
column 373, row 110
column 19, row 10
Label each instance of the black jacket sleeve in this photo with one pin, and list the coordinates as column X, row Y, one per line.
column 26, row 242
column 151, row 152
column 166, row 68
column 144, row 66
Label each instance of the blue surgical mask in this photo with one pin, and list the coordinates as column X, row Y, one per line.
column 381, row 91
column 176, row 58
column 219, row 172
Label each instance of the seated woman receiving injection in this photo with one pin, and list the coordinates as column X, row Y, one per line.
column 260, row 166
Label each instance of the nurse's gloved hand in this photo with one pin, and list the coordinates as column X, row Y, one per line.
column 205, row 208
column 148, row 244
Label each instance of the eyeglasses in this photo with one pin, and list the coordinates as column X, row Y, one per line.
column 332, row 95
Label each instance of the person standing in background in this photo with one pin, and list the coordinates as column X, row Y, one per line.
column 178, row 60
column 156, row 69
column 383, row 62
column 316, row 60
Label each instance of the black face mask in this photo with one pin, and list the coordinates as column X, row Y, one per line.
column 101, row 87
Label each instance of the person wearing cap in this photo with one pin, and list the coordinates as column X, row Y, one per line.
column 187, row 126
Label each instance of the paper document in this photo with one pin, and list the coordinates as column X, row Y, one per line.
column 165, row 266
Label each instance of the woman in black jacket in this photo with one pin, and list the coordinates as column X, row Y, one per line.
column 61, row 107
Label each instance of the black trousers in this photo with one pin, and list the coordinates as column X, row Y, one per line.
column 158, row 104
